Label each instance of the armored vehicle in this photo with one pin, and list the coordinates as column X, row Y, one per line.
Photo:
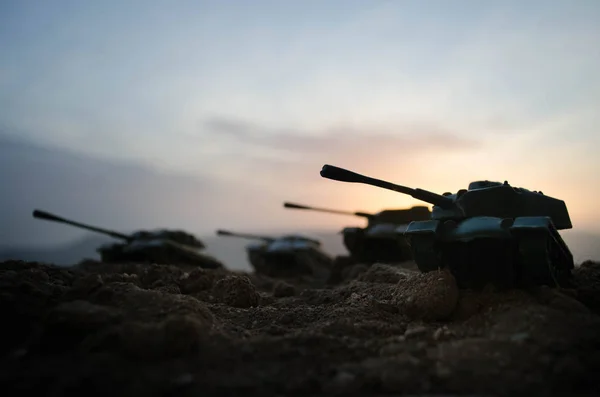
column 285, row 256
column 163, row 246
column 378, row 242
column 489, row 233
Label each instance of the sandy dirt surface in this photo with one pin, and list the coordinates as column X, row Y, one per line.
column 161, row 331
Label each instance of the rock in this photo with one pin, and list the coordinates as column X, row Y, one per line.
column 442, row 333
column 167, row 275
column 416, row 331
column 236, row 291
column 429, row 296
column 197, row 280
column 379, row 273
column 282, row 289
column 594, row 265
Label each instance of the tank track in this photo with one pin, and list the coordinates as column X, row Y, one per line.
column 535, row 255
column 544, row 258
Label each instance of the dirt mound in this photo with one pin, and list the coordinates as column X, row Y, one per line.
column 126, row 330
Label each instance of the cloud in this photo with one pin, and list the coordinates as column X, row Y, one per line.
column 362, row 67
column 343, row 143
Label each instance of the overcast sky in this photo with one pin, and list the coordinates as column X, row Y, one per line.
column 250, row 98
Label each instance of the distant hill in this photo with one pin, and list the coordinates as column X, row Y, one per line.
column 231, row 250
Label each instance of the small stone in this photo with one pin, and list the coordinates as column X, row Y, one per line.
column 237, row 291
column 520, row 337
column 196, row 281
column 416, row 331
column 282, row 289
column 441, row 333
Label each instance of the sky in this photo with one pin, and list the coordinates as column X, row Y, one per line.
column 234, row 106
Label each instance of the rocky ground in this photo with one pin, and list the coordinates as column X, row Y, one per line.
column 159, row 330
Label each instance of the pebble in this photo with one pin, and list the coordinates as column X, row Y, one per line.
column 520, row 337
column 416, row 331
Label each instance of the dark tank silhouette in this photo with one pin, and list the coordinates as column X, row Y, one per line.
column 285, row 256
column 162, row 246
column 490, row 233
column 378, row 242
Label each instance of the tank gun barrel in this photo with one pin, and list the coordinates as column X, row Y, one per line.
column 245, row 235
column 55, row 218
column 343, row 175
column 306, row 207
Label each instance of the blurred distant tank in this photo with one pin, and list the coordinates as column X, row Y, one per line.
column 285, row 256
column 163, row 246
column 379, row 241
column 490, row 233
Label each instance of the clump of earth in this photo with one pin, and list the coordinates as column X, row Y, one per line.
column 133, row 330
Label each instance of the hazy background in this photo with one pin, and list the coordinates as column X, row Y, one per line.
column 209, row 114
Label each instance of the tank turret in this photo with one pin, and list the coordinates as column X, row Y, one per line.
column 343, row 175
column 39, row 214
column 289, row 255
column 378, row 242
column 162, row 246
column 513, row 227
column 267, row 239
column 306, row 207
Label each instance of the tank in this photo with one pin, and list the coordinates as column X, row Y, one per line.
column 289, row 255
column 161, row 246
column 378, row 242
column 489, row 233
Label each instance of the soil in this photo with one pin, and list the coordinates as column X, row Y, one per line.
column 132, row 330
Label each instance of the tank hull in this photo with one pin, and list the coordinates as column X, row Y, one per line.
column 506, row 252
column 380, row 244
column 283, row 259
column 157, row 251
